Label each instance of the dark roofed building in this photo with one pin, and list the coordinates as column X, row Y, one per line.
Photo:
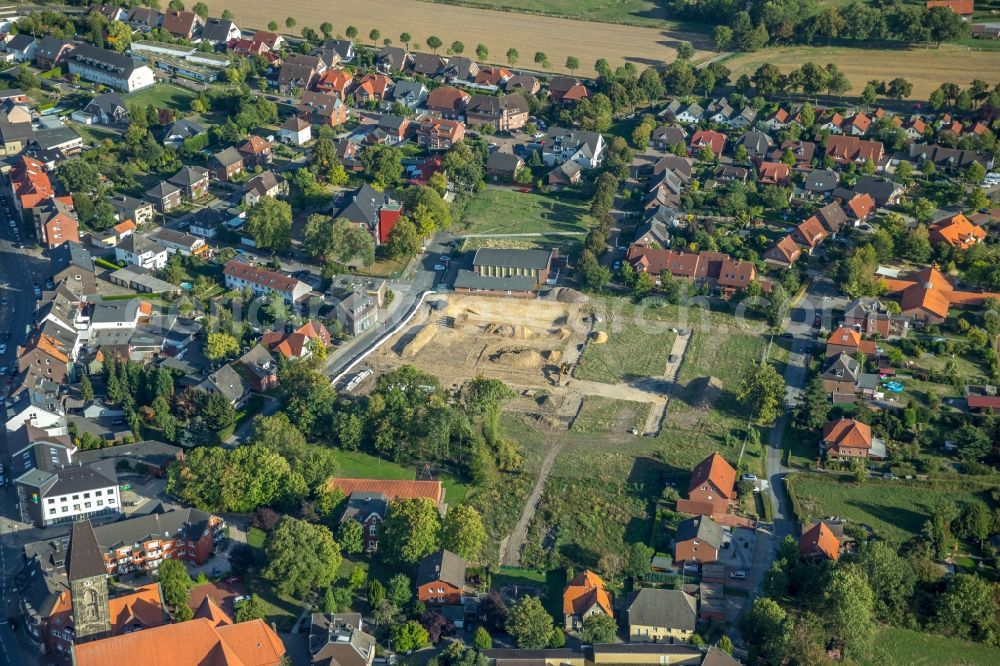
column 659, row 615
column 534, row 264
column 441, row 578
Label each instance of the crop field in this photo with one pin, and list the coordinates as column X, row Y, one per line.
column 632, row 12
column 926, row 68
column 896, row 510
column 497, row 30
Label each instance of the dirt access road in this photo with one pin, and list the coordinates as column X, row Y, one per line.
column 499, row 31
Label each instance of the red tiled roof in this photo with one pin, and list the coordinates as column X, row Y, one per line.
column 786, row 249
column 851, row 149
column 956, row 231
column 260, row 276
column 963, row 7
column 583, row 592
column 820, row 540
column 861, row 205
column 391, row 488
column 715, row 469
column 983, row 401
column 447, row 98
column 847, row 432
column 773, row 172
column 714, row 140
column 812, row 231
column 194, row 643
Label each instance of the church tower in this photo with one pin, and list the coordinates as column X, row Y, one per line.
column 88, row 584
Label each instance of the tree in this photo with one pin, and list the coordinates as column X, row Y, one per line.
column 404, row 241
column 253, row 608
column 201, row 9
column 974, row 173
column 975, row 522
column 762, row 390
column 766, row 626
column 290, row 22
column 409, row 636
column 849, row 611
column 269, row 223
column 968, row 609
column 327, row 29
column 457, row 47
column 512, row 56
column 119, row 36
column 399, row 591
column 869, row 95
column 723, row 36
column 350, row 536
column 464, row 167
column 767, row 79
column 725, row 644
column 638, row 560
column 814, row 409
column 434, row 43
column 482, row 52
column 943, row 24
column 301, row 556
column 463, row 532
column 351, row 32
column 541, row 59
column 175, row 583
column 272, row 26
column 410, row 530
column 405, row 38
column 529, row 623
column 221, row 345
column 482, row 640
column 899, row 88
column 86, row 388
column 593, row 274
column 685, row 51
column 376, row 593
column 79, row 175
column 337, row 240
column 572, row 63
column 383, row 165
column 373, row 35
column 599, row 628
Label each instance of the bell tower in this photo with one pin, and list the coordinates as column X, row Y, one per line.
column 88, row 584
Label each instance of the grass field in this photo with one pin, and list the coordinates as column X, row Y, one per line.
column 896, row 510
column 611, row 416
column 497, row 30
column 632, row 12
column 903, row 647
column 499, row 212
column 163, row 96
column 634, row 349
column 952, row 64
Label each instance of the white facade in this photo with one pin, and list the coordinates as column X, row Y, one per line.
column 296, row 138
column 140, row 77
column 38, row 417
column 64, row 508
column 153, row 260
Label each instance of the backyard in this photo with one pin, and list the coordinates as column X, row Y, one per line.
column 896, row 510
column 904, row 647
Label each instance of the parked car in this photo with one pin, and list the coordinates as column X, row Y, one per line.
column 738, row 575
column 3, row 348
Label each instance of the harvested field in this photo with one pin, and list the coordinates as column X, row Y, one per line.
column 950, row 63
column 499, row 31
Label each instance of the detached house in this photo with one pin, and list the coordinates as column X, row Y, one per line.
column 714, row 141
column 226, row 164
column 504, row 113
column 239, row 275
column 712, row 488
column 584, row 148
column 802, row 151
column 818, row 542
column 256, row 151
column 439, row 133
column 373, row 88
column 335, row 81
column 411, row 94
column 219, row 31
column 585, row 595
column 376, row 212
column 165, row 196
column 441, row 579
column 848, row 438
column 105, row 109
column 52, row 51
column 956, row 231
column 871, row 316
column 666, row 137
column 369, row 509
column 840, row 375
column 182, row 24
column 567, row 90
column 323, row 109
column 847, row 149
column 783, row 254
column 393, row 60
column 774, row 173
column 295, row 131
column 137, row 250
column 55, row 222
column 448, row 102
column 265, row 184
column 193, row 182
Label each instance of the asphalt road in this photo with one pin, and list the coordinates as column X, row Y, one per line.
column 19, row 269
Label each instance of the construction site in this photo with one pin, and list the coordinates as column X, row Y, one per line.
column 532, row 345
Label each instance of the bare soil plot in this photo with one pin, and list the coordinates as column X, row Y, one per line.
column 499, row 31
column 926, row 69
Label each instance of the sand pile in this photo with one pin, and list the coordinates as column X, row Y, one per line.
column 552, row 356
column 561, row 333
column 705, row 392
column 516, row 332
column 519, row 358
column 567, row 295
column 599, row 337
column 419, row 341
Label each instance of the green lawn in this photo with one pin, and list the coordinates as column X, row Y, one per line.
column 163, row 95
column 358, row 465
column 281, row 610
column 903, row 647
column 896, row 509
column 497, row 213
column 255, row 537
column 95, row 135
column 599, row 414
column 636, row 347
